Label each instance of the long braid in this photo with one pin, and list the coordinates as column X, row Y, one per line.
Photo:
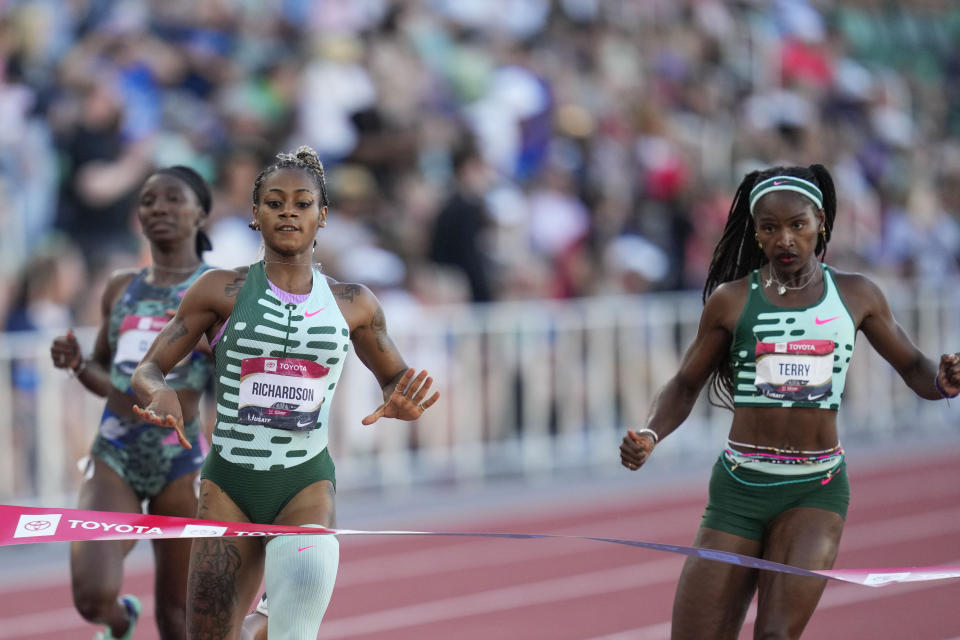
column 825, row 181
column 737, row 253
column 304, row 158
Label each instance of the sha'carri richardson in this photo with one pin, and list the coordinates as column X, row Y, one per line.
column 283, row 323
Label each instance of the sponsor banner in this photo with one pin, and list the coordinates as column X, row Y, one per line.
column 797, row 347
column 292, row 367
column 25, row 525
column 19, row 525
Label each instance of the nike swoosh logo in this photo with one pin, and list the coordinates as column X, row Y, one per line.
column 305, row 548
column 303, row 424
column 310, row 314
column 819, row 321
column 778, row 182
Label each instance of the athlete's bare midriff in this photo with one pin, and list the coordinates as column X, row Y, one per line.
column 793, row 428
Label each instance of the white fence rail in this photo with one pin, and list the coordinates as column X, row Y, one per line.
column 527, row 389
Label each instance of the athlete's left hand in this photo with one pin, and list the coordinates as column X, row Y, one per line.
column 407, row 400
column 949, row 374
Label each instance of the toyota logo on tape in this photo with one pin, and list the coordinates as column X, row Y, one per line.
column 33, row 525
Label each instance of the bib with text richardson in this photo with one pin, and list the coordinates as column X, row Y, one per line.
column 281, row 393
column 800, row 371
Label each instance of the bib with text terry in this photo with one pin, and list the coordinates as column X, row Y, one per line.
column 801, row 370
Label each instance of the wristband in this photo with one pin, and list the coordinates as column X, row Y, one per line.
column 943, row 394
column 650, row 432
column 80, row 368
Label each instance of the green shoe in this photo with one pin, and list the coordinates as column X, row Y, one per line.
column 132, row 603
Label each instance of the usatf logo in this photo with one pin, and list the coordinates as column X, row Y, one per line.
column 33, row 525
column 202, row 531
column 270, row 365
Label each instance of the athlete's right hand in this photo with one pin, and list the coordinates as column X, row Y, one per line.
column 635, row 449
column 165, row 414
column 65, row 351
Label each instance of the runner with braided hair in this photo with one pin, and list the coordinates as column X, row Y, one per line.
column 280, row 331
column 775, row 340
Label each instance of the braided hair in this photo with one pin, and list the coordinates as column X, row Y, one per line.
column 305, row 159
column 737, row 254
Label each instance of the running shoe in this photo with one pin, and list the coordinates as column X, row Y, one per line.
column 132, row 603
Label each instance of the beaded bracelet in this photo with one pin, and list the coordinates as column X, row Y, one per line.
column 943, row 394
column 650, row 432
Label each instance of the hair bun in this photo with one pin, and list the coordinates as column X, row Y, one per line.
column 308, row 156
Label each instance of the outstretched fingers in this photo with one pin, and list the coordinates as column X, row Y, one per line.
column 373, row 417
column 169, row 421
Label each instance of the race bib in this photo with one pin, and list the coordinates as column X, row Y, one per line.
column 136, row 335
column 799, row 371
column 281, row 393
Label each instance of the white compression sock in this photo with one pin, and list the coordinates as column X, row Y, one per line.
column 300, row 573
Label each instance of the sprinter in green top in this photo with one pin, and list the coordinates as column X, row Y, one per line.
column 280, row 331
column 775, row 337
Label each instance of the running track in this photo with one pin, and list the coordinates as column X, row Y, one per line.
column 471, row 589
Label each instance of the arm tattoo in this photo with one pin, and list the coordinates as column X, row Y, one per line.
column 212, row 588
column 178, row 329
column 378, row 324
column 348, row 292
column 233, row 289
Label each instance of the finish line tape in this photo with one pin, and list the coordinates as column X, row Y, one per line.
column 25, row 525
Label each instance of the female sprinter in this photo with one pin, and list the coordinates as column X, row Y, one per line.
column 776, row 336
column 280, row 331
column 132, row 460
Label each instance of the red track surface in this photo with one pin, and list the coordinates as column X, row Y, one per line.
column 474, row 588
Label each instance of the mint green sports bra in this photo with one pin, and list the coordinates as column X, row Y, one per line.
column 792, row 357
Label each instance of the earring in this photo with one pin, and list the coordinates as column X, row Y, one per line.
column 823, row 232
column 253, row 224
column 757, row 236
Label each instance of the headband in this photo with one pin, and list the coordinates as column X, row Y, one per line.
column 192, row 180
column 786, row 183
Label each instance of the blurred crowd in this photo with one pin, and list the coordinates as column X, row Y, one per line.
column 475, row 149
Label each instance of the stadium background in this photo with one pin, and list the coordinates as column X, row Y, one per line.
column 533, row 190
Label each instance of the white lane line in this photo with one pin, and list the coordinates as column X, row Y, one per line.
column 502, row 599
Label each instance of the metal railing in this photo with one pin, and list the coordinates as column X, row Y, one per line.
column 527, row 389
